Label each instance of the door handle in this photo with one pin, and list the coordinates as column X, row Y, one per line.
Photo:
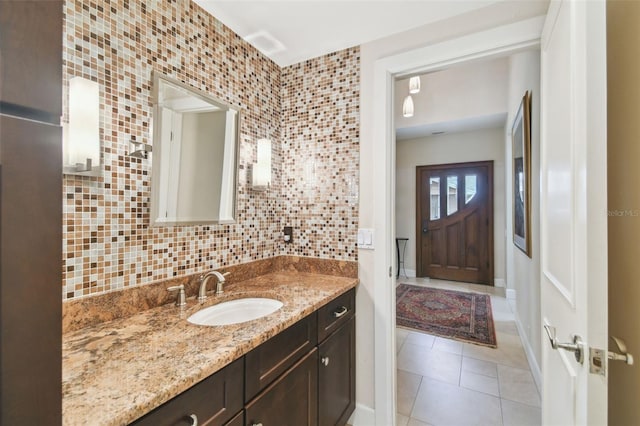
column 424, row 226
column 622, row 348
column 598, row 357
column 577, row 346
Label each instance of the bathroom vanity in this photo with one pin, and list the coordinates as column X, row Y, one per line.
column 295, row 366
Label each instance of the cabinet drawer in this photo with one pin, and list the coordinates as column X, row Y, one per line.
column 336, row 313
column 269, row 360
column 292, row 400
column 214, row 401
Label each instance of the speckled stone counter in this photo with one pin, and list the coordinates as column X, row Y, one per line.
column 116, row 371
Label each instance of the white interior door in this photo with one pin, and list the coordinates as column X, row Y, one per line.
column 573, row 208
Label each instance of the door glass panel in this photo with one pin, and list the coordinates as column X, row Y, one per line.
column 452, row 195
column 470, row 188
column 434, row 194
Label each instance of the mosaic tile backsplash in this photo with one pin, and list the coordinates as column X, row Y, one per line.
column 309, row 111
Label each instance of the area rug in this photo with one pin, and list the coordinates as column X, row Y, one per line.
column 453, row 314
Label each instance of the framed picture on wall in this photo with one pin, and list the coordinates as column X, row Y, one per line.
column 521, row 149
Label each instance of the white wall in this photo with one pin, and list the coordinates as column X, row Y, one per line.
column 480, row 145
column 486, row 18
column 523, row 273
column 461, row 92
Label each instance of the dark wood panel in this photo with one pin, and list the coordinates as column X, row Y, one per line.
column 452, row 246
column 238, row 420
column 214, row 401
column 472, row 236
column 336, row 313
column 31, row 56
column 292, row 400
column 30, row 273
column 266, row 362
column 337, row 376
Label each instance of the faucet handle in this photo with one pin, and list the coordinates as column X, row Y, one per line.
column 181, row 300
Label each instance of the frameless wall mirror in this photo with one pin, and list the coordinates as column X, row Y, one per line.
column 195, row 150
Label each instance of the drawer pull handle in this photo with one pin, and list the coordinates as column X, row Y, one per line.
column 194, row 420
column 340, row 312
column 325, row 360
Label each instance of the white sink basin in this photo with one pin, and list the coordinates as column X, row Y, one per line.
column 235, row 311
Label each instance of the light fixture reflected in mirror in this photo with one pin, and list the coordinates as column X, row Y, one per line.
column 414, row 85
column 81, row 146
column 261, row 172
column 407, row 107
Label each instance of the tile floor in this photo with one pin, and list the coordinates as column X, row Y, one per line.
column 445, row 382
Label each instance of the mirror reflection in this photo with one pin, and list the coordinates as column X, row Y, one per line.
column 195, row 153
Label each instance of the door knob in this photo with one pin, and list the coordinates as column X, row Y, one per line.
column 577, row 346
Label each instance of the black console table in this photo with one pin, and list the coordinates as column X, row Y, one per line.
column 401, row 242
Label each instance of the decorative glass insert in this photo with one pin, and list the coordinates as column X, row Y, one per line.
column 470, row 187
column 434, row 193
column 452, row 195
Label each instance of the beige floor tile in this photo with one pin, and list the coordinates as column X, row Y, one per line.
column 415, row 422
column 516, row 414
column 407, row 386
column 430, row 363
column 486, row 368
column 401, row 420
column 445, row 404
column 479, row 382
column 509, row 352
column 447, row 345
column 401, row 336
column 420, row 339
column 517, row 385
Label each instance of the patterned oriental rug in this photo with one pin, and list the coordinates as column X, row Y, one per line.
column 453, row 314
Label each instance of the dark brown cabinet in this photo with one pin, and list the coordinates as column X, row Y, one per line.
column 289, row 380
column 214, row 401
column 292, row 400
column 337, row 376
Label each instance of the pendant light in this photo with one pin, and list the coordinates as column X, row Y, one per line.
column 407, row 107
column 414, row 85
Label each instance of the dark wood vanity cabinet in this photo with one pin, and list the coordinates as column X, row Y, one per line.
column 215, row 401
column 304, row 375
column 292, row 400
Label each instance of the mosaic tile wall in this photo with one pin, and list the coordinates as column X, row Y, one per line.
column 320, row 128
column 107, row 241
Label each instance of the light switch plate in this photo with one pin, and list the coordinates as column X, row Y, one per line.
column 366, row 239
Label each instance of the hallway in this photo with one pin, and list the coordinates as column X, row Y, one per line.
column 446, row 382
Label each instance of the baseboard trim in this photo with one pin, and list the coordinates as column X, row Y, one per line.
column 499, row 282
column 528, row 350
column 362, row 416
column 511, row 294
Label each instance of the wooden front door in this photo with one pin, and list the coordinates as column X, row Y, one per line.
column 454, row 222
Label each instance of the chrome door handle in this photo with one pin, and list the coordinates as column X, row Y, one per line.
column 577, row 347
column 194, row 420
column 622, row 348
column 324, row 360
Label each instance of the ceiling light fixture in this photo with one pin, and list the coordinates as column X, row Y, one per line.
column 414, row 85
column 407, row 107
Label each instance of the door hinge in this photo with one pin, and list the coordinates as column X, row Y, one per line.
column 390, row 272
column 598, row 357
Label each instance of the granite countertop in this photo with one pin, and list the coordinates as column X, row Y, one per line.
column 116, row 371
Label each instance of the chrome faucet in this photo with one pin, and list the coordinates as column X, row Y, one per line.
column 202, row 293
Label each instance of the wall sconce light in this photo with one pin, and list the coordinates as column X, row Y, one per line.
column 261, row 175
column 414, row 85
column 407, row 107
column 139, row 149
column 81, row 147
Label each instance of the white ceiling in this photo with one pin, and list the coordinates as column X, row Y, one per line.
column 292, row 31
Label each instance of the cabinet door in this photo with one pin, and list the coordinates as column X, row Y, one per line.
column 292, row 400
column 275, row 356
column 214, row 401
column 337, row 376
